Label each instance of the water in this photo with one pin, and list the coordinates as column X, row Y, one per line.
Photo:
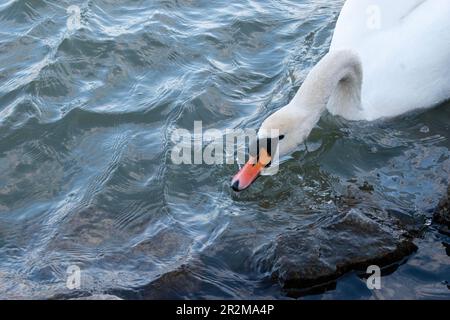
column 86, row 179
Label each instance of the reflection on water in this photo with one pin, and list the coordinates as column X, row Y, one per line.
column 85, row 172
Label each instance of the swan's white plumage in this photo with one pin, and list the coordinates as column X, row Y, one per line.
column 375, row 69
column 387, row 57
column 405, row 54
column 372, row 72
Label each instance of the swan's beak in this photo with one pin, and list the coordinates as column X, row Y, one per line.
column 251, row 171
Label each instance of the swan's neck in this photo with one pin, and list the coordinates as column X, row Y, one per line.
column 335, row 82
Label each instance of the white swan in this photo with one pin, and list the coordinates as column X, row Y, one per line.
column 386, row 58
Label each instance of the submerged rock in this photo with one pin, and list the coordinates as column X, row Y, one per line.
column 442, row 214
column 98, row 297
column 317, row 257
column 170, row 284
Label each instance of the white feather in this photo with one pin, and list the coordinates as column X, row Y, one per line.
column 386, row 58
column 405, row 54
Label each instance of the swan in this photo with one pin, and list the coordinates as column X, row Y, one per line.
column 386, row 58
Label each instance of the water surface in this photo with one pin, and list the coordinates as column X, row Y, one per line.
column 86, row 178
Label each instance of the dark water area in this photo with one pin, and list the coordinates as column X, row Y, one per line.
column 86, row 177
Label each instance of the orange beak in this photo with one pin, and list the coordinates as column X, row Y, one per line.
column 251, row 171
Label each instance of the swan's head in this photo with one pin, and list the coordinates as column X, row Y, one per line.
column 279, row 135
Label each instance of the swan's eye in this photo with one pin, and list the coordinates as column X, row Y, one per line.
column 281, row 137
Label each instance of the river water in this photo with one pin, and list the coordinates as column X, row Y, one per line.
column 90, row 93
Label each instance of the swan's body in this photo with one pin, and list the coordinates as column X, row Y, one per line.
column 405, row 54
column 386, row 58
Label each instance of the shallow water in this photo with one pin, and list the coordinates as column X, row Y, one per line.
column 86, row 177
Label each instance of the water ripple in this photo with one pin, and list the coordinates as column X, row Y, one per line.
column 86, row 178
